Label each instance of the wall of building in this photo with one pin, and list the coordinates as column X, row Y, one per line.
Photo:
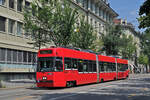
column 16, row 54
column 98, row 12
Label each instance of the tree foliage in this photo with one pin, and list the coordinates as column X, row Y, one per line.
column 50, row 21
column 83, row 36
column 143, row 59
column 145, row 43
column 112, row 40
column 65, row 18
column 97, row 45
column 128, row 47
column 116, row 42
column 144, row 13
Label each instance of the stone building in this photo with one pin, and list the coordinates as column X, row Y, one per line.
column 16, row 54
column 129, row 29
column 98, row 13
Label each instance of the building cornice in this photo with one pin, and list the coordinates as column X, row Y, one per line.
column 88, row 11
column 107, row 7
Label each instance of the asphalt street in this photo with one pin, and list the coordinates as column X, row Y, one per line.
column 137, row 87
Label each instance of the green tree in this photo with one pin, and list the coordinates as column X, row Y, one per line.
column 144, row 13
column 128, row 47
column 97, row 45
column 145, row 43
column 112, row 40
column 50, row 21
column 84, row 35
column 65, row 19
column 38, row 19
column 143, row 59
column 116, row 42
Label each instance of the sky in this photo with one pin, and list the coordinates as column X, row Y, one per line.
column 127, row 9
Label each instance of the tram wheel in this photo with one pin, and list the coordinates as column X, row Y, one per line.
column 102, row 80
column 68, row 84
column 71, row 83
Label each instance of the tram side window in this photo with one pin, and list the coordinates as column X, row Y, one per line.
column 109, row 67
column 126, row 66
column 74, row 63
column 85, row 66
column 120, row 67
column 59, row 64
column 80, row 65
column 101, row 66
column 90, row 67
column 105, row 66
column 68, row 63
column 94, row 66
column 113, row 67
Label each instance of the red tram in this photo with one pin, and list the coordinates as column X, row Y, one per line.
column 64, row 67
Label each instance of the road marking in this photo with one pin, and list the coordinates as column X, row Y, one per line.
column 25, row 97
column 132, row 95
column 63, row 97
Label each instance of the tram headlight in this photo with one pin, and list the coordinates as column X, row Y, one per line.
column 44, row 78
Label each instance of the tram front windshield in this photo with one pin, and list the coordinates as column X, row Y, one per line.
column 49, row 64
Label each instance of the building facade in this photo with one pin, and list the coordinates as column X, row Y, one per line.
column 97, row 12
column 129, row 30
column 16, row 54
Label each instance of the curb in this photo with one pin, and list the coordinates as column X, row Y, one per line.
column 28, row 86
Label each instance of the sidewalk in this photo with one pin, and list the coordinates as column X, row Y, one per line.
column 18, row 83
column 131, row 76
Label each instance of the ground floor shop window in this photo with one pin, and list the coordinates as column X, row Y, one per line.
column 17, row 56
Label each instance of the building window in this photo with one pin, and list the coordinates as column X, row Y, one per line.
column 9, row 56
column 103, row 14
column 11, row 4
column 11, row 25
column 19, row 5
column 96, row 9
column 99, row 28
column 91, row 6
column 3, row 55
column 95, row 24
column 20, row 58
column 85, row 4
column 91, row 21
column 34, row 58
column 2, row 23
column 19, row 28
column 100, row 12
column 27, row 4
column 17, row 56
column 29, row 57
column 14, row 56
column 26, row 34
column 77, row 1
column 25, row 55
column 2, row 2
